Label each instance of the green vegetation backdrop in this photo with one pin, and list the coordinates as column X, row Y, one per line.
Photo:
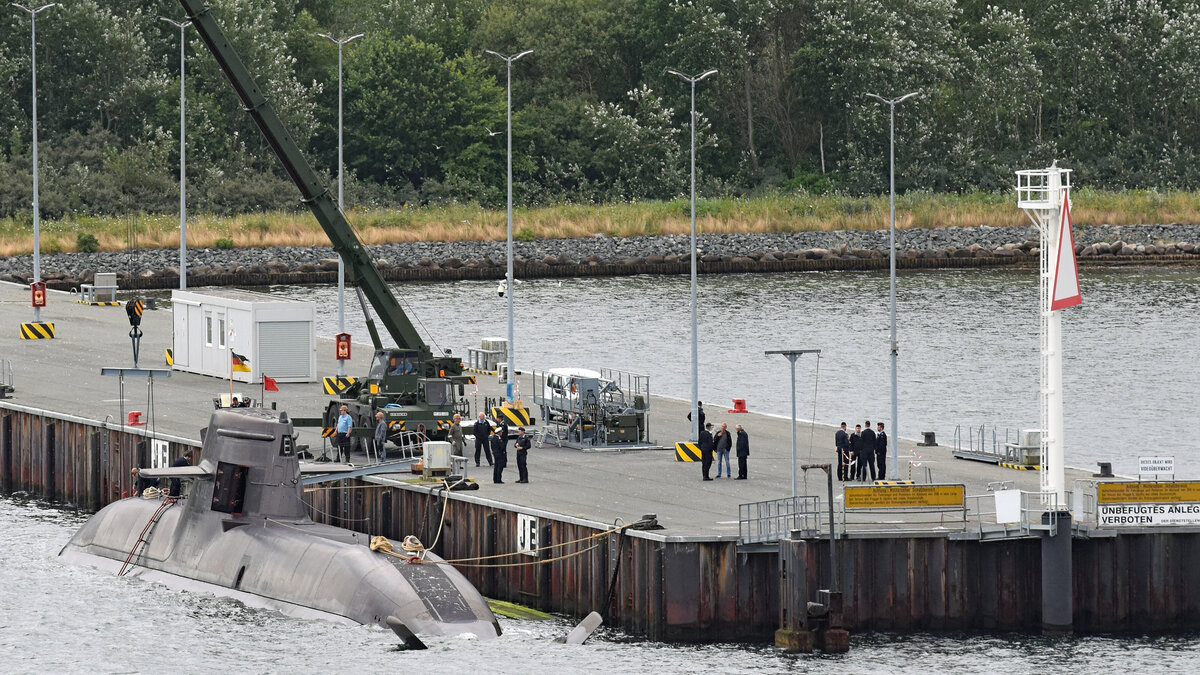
column 1106, row 87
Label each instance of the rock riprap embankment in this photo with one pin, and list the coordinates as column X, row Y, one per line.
column 744, row 250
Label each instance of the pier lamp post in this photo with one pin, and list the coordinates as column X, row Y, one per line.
column 893, row 345
column 37, row 248
column 791, row 355
column 509, row 285
column 182, row 26
column 695, row 350
column 341, row 368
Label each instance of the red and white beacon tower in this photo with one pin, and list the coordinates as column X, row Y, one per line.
column 1045, row 196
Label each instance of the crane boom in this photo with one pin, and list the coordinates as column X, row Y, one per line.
column 360, row 269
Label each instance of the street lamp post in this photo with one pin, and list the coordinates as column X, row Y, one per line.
column 182, row 26
column 508, row 290
column 341, row 371
column 37, row 248
column 695, row 350
column 894, row 346
column 791, row 355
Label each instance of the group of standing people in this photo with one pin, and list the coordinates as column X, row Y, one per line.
column 720, row 444
column 861, row 452
column 493, row 445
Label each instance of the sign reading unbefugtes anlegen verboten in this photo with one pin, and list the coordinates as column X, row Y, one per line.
column 1148, row 504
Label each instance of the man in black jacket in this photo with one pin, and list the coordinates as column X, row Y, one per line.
column 706, row 449
column 522, row 444
column 841, row 444
column 743, row 451
column 881, row 452
column 866, row 453
column 482, row 430
column 176, row 487
column 500, row 455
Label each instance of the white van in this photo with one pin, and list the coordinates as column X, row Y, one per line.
column 561, row 389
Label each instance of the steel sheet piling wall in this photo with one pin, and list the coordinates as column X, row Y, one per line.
column 78, row 462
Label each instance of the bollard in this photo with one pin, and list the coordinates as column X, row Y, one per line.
column 1057, row 602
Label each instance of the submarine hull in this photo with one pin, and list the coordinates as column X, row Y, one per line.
column 278, row 559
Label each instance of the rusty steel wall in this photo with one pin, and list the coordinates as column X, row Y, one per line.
column 1130, row 582
column 920, row 583
column 688, row 592
column 77, row 462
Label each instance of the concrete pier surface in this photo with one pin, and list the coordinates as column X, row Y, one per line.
column 63, row 375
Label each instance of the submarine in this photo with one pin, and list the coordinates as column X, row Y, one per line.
column 242, row 532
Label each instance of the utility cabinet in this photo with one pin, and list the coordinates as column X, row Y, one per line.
column 271, row 335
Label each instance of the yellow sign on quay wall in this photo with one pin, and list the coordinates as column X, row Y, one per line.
column 1145, row 493
column 905, row 496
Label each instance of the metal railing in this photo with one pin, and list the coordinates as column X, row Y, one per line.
column 1035, row 507
column 762, row 522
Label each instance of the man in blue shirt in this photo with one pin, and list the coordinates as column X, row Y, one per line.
column 341, row 439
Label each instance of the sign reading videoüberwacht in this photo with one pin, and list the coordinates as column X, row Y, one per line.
column 905, row 496
column 1147, row 504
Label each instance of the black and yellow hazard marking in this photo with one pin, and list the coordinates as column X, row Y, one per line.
column 99, row 303
column 471, row 380
column 687, row 452
column 37, row 331
column 517, row 416
column 170, row 357
column 1019, row 467
column 336, row 385
column 480, row 371
column 136, row 307
column 397, row 425
column 893, row 482
column 328, row 432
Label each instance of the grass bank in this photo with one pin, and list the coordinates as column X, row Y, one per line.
column 776, row 213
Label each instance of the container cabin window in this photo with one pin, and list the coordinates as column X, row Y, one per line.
column 208, row 329
column 221, row 331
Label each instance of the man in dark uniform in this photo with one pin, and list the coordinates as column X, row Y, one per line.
column 706, row 449
column 142, row 482
column 482, row 430
column 743, row 451
column 176, row 487
column 841, row 443
column 881, row 452
column 522, row 444
column 852, row 463
column 866, row 452
column 499, row 457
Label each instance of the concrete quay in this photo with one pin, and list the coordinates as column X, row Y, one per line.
column 63, row 375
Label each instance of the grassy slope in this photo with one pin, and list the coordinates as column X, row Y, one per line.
column 777, row 213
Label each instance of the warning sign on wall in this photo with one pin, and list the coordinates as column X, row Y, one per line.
column 905, row 496
column 1147, row 492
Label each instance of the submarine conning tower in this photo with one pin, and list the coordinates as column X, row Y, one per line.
column 249, row 456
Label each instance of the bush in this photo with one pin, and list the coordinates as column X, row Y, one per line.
column 86, row 243
column 525, row 233
column 224, row 243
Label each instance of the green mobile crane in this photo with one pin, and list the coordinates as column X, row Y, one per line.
column 417, row 390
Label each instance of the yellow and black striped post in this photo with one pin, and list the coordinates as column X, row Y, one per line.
column 517, row 416
column 336, row 385
column 687, row 452
column 170, row 357
column 1020, row 467
column 39, row 330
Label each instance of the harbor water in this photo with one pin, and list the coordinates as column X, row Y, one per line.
column 968, row 357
